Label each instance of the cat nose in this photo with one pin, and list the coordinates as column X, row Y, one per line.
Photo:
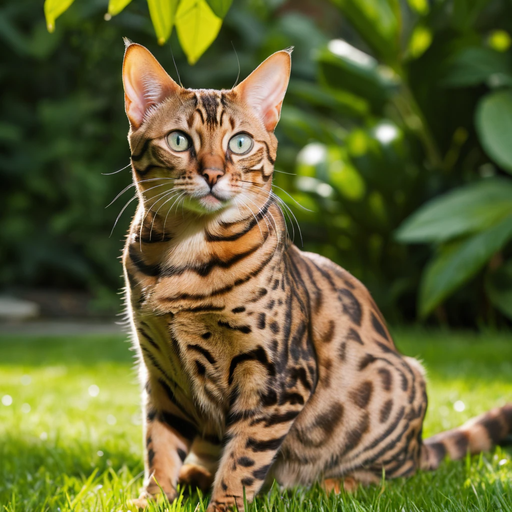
column 212, row 175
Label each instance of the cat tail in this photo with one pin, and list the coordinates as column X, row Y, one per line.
column 477, row 435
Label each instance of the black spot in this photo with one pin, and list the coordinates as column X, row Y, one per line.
column 201, row 370
column 351, row 306
column 494, row 429
column 386, row 378
column 353, row 335
column 185, row 428
column 275, row 419
column 182, row 454
column 223, row 485
column 274, row 327
column 246, row 329
column 203, row 351
column 362, row 395
column 379, row 328
column 261, row 321
column 261, row 473
column 151, row 456
column 329, row 334
column 270, row 305
column 239, row 309
column 246, row 462
column 291, row 398
column 342, row 351
column 259, row 294
column 264, row 446
column 269, row 398
column 439, row 451
column 247, row 482
column 367, row 359
column 275, row 284
column 206, row 335
column 385, row 411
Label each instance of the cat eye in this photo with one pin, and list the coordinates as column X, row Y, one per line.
column 178, row 141
column 241, row 144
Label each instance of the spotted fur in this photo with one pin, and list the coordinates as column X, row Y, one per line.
column 258, row 361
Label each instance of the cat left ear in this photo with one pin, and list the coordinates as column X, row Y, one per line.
column 264, row 89
column 145, row 81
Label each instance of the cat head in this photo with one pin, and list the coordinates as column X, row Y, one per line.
column 210, row 151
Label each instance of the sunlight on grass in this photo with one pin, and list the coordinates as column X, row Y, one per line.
column 70, row 429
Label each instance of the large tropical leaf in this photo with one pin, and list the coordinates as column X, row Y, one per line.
column 498, row 285
column 475, row 65
column 163, row 14
column 458, row 262
column 494, row 126
column 53, row 9
column 197, row 27
column 377, row 22
column 116, row 6
column 220, row 7
column 343, row 67
column 466, row 210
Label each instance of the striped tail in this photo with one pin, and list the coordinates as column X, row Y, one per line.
column 476, row 435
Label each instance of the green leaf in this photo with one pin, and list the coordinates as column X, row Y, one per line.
column 466, row 210
column 420, row 6
column 498, row 285
column 116, row 6
column 53, row 9
column 220, row 7
column 475, row 65
column 343, row 67
column 197, row 28
column 420, row 40
column 458, row 262
column 494, row 126
column 163, row 14
column 377, row 22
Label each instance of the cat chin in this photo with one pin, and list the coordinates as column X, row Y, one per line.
column 206, row 204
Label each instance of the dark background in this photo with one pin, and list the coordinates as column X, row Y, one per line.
column 63, row 127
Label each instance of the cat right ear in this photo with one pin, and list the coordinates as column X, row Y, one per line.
column 145, row 81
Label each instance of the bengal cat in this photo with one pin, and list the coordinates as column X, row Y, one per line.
column 259, row 361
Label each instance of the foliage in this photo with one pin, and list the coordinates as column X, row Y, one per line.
column 391, row 105
column 197, row 21
column 72, row 437
column 428, row 106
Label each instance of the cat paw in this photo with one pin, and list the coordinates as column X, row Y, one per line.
column 195, row 476
column 217, row 506
column 338, row 485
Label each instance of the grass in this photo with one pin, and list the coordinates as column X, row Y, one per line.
column 71, row 438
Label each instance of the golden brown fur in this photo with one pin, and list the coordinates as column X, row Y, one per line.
column 258, row 361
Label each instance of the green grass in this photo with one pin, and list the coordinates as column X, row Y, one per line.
column 62, row 449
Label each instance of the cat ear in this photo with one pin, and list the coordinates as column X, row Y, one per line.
column 145, row 81
column 264, row 89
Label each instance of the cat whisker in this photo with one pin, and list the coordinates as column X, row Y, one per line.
column 159, row 208
column 293, row 199
column 150, row 209
column 115, row 172
column 134, row 185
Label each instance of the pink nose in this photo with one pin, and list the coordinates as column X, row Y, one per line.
column 212, row 175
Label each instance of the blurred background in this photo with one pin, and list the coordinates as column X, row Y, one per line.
column 395, row 146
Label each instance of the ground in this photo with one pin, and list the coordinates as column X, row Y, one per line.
column 70, row 429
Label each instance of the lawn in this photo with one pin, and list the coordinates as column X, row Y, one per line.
column 70, row 429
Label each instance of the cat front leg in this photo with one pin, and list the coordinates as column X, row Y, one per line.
column 168, row 437
column 254, row 433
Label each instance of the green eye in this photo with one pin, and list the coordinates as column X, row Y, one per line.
column 178, row 141
column 241, row 143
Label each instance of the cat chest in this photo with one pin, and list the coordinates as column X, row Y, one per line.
column 205, row 355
